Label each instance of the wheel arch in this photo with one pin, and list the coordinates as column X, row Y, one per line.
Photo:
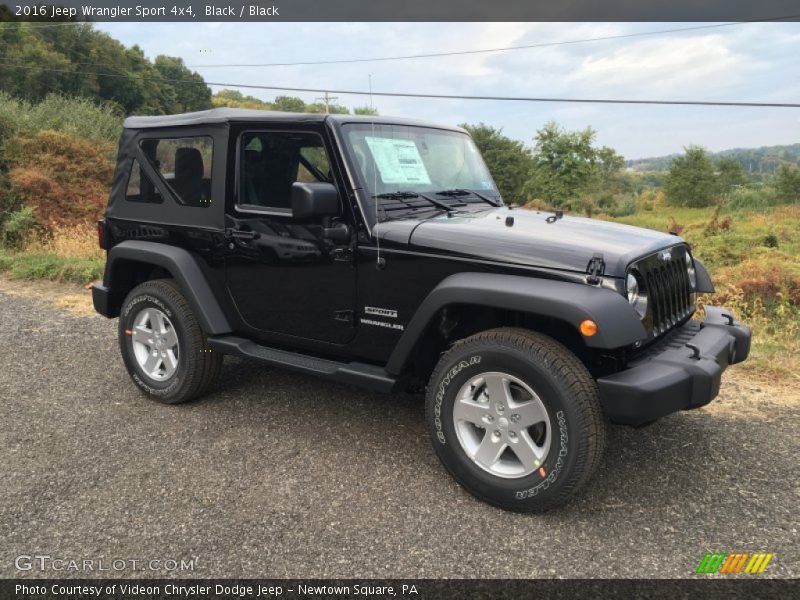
column 553, row 307
column 132, row 262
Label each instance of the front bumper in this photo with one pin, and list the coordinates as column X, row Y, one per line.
column 681, row 372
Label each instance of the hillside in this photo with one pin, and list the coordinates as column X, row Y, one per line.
column 763, row 160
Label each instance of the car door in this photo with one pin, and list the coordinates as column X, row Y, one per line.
column 288, row 276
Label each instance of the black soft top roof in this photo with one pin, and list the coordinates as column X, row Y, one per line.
column 227, row 115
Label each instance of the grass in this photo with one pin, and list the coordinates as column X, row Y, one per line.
column 68, row 254
column 27, row 265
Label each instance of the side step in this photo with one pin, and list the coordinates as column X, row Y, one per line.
column 354, row 373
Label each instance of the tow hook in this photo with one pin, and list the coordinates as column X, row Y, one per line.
column 695, row 351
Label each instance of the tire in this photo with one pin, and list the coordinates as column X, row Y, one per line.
column 183, row 365
column 538, row 381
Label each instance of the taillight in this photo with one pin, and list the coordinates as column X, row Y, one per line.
column 101, row 233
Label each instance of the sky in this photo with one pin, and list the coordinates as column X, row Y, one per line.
column 754, row 62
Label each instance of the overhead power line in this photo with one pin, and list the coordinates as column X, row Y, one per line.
column 491, row 50
column 4, row 62
column 448, row 53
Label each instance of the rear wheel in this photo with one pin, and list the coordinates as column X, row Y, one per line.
column 516, row 419
column 162, row 344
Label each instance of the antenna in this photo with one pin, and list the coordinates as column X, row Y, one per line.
column 380, row 263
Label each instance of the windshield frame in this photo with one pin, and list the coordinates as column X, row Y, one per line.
column 367, row 202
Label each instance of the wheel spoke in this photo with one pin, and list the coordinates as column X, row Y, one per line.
column 142, row 335
column 170, row 363
column 489, row 450
column 497, row 388
column 530, row 413
column 470, row 411
column 170, row 338
column 157, row 321
column 528, row 453
column 152, row 362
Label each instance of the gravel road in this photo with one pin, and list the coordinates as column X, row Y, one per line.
column 280, row 475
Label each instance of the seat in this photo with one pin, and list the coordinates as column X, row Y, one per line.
column 188, row 182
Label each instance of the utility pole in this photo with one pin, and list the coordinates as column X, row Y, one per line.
column 326, row 100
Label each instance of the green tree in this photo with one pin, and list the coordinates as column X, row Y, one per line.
column 568, row 169
column 691, row 180
column 289, row 104
column 189, row 90
column 730, row 175
column 365, row 110
column 787, row 183
column 508, row 160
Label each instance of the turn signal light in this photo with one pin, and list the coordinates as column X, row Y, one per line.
column 588, row 328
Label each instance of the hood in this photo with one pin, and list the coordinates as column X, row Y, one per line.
column 567, row 243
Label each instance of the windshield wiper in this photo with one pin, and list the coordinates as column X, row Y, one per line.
column 456, row 192
column 402, row 195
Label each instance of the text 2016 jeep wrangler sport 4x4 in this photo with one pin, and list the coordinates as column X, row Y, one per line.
column 378, row 252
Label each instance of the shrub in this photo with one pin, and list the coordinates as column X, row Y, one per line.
column 17, row 227
column 753, row 198
column 624, row 207
column 63, row 178
column 77, row 116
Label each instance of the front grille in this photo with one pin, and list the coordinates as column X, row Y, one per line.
column 669, row 291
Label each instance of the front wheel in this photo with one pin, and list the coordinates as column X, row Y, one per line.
column 516, row 419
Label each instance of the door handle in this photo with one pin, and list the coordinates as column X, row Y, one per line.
column 242, row 234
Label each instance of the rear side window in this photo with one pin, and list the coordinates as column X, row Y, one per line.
column 140, row 188
column 185, row 166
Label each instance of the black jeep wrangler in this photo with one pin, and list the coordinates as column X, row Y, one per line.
column 378, row 252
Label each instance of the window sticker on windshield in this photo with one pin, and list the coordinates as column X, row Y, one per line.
column 398, row 161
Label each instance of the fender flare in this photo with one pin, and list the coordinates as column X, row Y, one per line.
column 618, row 324
column 184, row 267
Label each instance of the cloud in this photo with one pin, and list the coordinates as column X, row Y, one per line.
column 679, row 63
column 755, row 61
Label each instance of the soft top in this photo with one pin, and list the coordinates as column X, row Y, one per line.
column 226, row 115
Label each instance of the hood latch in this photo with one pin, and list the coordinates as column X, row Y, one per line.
column 595, row 269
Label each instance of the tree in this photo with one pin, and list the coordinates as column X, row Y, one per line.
column 365, row 110
column 691, row 181
column 729, row 175
column 190, row 91
column 508, row 160
column 787, row 183
column 289, row 104
column 568, row 169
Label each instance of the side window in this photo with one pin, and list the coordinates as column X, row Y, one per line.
column 185, row 166
column 140, row 188
column 270, row 162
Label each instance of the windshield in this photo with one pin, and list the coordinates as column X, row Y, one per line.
column 433, row 162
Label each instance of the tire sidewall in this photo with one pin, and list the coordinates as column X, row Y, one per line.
column 520, row 492
column 138, row 300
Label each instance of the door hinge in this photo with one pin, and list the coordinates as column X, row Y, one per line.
column 345, row 316
column 595, row 269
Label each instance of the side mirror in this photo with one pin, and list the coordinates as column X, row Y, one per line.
column 314, row 200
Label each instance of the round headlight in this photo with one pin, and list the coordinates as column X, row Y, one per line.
column 691, row 271
column 636, row 295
